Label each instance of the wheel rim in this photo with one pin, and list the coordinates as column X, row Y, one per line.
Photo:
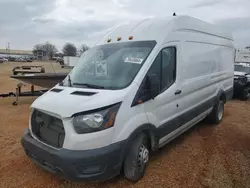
column 248, row 93
column 143, row 156
column 220, row 111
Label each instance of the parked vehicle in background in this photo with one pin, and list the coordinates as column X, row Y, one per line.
column 242, row 80
column 70, row 61
column 1, row 60
column 242, row 55
column 5, row 60
column 138, row 88
column 60, row 60
column 16, row 59
column 12, row 58
column 20, row 59
column 29, row 60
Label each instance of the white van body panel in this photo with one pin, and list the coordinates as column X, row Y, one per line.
column 68, row 104
column 204, row 67
column 124, row 130
column 166, row 139
column 163, row 107
column 74, row 141
column 152, row 29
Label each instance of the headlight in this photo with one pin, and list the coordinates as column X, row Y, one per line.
column 96, row 120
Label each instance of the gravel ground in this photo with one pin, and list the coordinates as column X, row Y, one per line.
column 205, row 156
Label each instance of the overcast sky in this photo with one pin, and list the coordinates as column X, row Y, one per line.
column 24, row 23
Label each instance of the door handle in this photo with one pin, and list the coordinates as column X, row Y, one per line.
column 178, row 92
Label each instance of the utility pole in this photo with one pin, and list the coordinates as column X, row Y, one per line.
column 9, row 48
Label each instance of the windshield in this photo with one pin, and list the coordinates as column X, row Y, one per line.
column 110, row 66
column 241, row 68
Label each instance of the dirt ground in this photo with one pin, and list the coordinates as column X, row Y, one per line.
column 205, row 156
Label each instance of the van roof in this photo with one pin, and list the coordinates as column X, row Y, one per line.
column 152, row 29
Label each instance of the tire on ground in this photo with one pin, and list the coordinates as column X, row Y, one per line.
column 246, row 94
column 216, row 116
column 135, row 162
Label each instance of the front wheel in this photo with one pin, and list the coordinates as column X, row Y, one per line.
column 137, row 158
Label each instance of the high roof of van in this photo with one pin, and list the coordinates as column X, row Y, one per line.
column 158, row 28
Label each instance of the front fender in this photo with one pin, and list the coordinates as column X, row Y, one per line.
column 123, row 132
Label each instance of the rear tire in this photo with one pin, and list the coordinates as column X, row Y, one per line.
column 137, row 158
column 246, row 94
column 216, row 116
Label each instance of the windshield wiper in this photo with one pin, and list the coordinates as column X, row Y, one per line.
column 69, row 80
column 89, row 85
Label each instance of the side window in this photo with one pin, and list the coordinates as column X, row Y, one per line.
column 155, row 70
column 163, row 70
column 168, row 67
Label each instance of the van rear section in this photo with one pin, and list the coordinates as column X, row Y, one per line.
column 142, row 85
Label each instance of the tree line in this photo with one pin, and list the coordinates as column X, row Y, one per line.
column 69, row 49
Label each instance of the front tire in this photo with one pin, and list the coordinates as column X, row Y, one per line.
column 217, row 113
column 137, row 158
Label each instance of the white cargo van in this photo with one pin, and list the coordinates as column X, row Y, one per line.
column 138, row 88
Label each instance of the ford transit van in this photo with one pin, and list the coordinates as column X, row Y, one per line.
column 142, row 85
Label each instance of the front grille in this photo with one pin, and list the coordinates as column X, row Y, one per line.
column 48, row 129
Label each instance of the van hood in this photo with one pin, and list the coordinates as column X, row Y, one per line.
column 62, row 102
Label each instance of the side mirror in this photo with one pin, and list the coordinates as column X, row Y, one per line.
column 153, row 85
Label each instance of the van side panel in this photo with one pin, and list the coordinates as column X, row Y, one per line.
column 206, row 68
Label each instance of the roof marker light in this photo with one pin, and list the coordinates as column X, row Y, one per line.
column 109, row 40
column 130, row 37
column 119, row 38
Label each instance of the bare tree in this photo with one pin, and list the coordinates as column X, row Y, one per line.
column 38, row 47
column 82, row 49
column 48, row 47
column 69, row 49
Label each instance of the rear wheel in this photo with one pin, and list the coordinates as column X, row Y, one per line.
column 137, row 158
column 217, row 113
column 246, row 94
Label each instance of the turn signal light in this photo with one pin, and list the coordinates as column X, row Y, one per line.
column 111, row 120
column 140, row 102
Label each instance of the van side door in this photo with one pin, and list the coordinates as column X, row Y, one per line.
column 163, row 107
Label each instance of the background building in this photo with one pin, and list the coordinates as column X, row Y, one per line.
column 15, row 53
column 41, row 55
